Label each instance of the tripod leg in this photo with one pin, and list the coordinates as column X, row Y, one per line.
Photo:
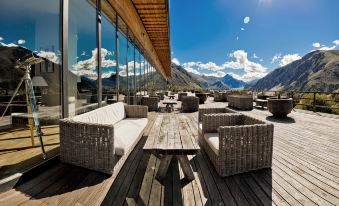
column 10, row 101
column 29, row 112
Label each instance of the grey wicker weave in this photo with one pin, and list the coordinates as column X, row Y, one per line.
column 190, row 104
column 203, row 111
column 91, row 145
column 180, row 95
column 244, row 143
column 151, row 102
column 240, row 102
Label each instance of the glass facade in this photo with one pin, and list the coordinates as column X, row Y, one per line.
column 36, row 31
column 29, row 31
column 82, row 58
column 108, row 60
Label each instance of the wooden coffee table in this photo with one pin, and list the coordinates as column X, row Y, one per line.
column 171, row 96
column 171, row 137
column 169, row 105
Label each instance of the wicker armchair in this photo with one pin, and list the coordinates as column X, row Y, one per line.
column 236, row 143
column 180, row 95
column 190, row 104
column 151, row 102
column 89, row 140
column 240, row 102
column 203, row 111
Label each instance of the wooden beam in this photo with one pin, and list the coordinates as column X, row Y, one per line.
column 127, row 11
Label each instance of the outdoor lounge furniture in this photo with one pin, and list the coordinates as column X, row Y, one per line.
column 151, row 102
column 261, row 103
column 102, row 138
column 236, row 143
column 161, row 95
column 170, row 139
column 203, row 111
column 220, row 96
column 240, row 102
column 180, row 95
column 202, row 97
column 169, row 105
column 190, row 104
column 280, row 107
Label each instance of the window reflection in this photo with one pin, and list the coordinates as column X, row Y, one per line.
column 108, row 60
column 82, row 58
column 29, row 27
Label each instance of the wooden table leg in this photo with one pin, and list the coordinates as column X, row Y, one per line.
column 186, row 167
column 163, row 167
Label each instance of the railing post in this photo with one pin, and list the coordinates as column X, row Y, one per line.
column 314, row 103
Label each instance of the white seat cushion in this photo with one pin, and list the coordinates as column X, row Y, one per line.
column 212, row 140
column 126, row 132
column 110, row 114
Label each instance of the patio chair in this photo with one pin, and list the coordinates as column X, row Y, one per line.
column 151, row 102
column 236, row 143
column 190, row 104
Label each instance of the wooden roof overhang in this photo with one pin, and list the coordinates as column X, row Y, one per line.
column 148, row 20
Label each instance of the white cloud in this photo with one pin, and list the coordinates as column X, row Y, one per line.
column 176, row 61
column 88, row 67
column 276, row 57
column 319, row 46
column 237, row 38
column 286, row 59
column 247, row 20
column 1, row 38
column 242, row 29
column 21, row 41
column 51, row 56
column 289, row 58
column 217, row 74
column 251, row 69
column 316, row 44
column 83, row 53
column 254, row 56
column 189, row 69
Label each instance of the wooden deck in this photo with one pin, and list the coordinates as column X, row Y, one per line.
column 17, row 154
column 305, row 171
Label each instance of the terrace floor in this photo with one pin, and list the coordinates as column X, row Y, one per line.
column 305, row 171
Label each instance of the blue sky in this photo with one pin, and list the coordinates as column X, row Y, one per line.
column 211, row 37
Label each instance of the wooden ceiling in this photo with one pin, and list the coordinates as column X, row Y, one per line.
column 154, row 14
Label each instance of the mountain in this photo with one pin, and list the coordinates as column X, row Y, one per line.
column 225, row 82
column 232, row 82
column 181, row 79
column 316, row 71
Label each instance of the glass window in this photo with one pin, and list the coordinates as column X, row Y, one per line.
column 82, row 58
column 131, row 76
column 122, row 65
column 108, row 60
column 28, row 27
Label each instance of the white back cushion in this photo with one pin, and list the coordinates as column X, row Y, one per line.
column 110, row 114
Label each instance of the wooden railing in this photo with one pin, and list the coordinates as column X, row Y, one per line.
column 314, row 101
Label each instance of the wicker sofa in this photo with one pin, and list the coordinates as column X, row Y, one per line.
column 102, row 138
column 189, row 104
column 240, row 102
column 203, row 111
column 236, row 143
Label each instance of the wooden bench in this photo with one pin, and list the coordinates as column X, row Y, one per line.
column 171, row 137
column 261, row 103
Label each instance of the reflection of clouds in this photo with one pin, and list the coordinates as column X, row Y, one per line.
column 21, row 41
column 88, row 67
column 8, row 45
column 51, row 56
column 1, row 38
